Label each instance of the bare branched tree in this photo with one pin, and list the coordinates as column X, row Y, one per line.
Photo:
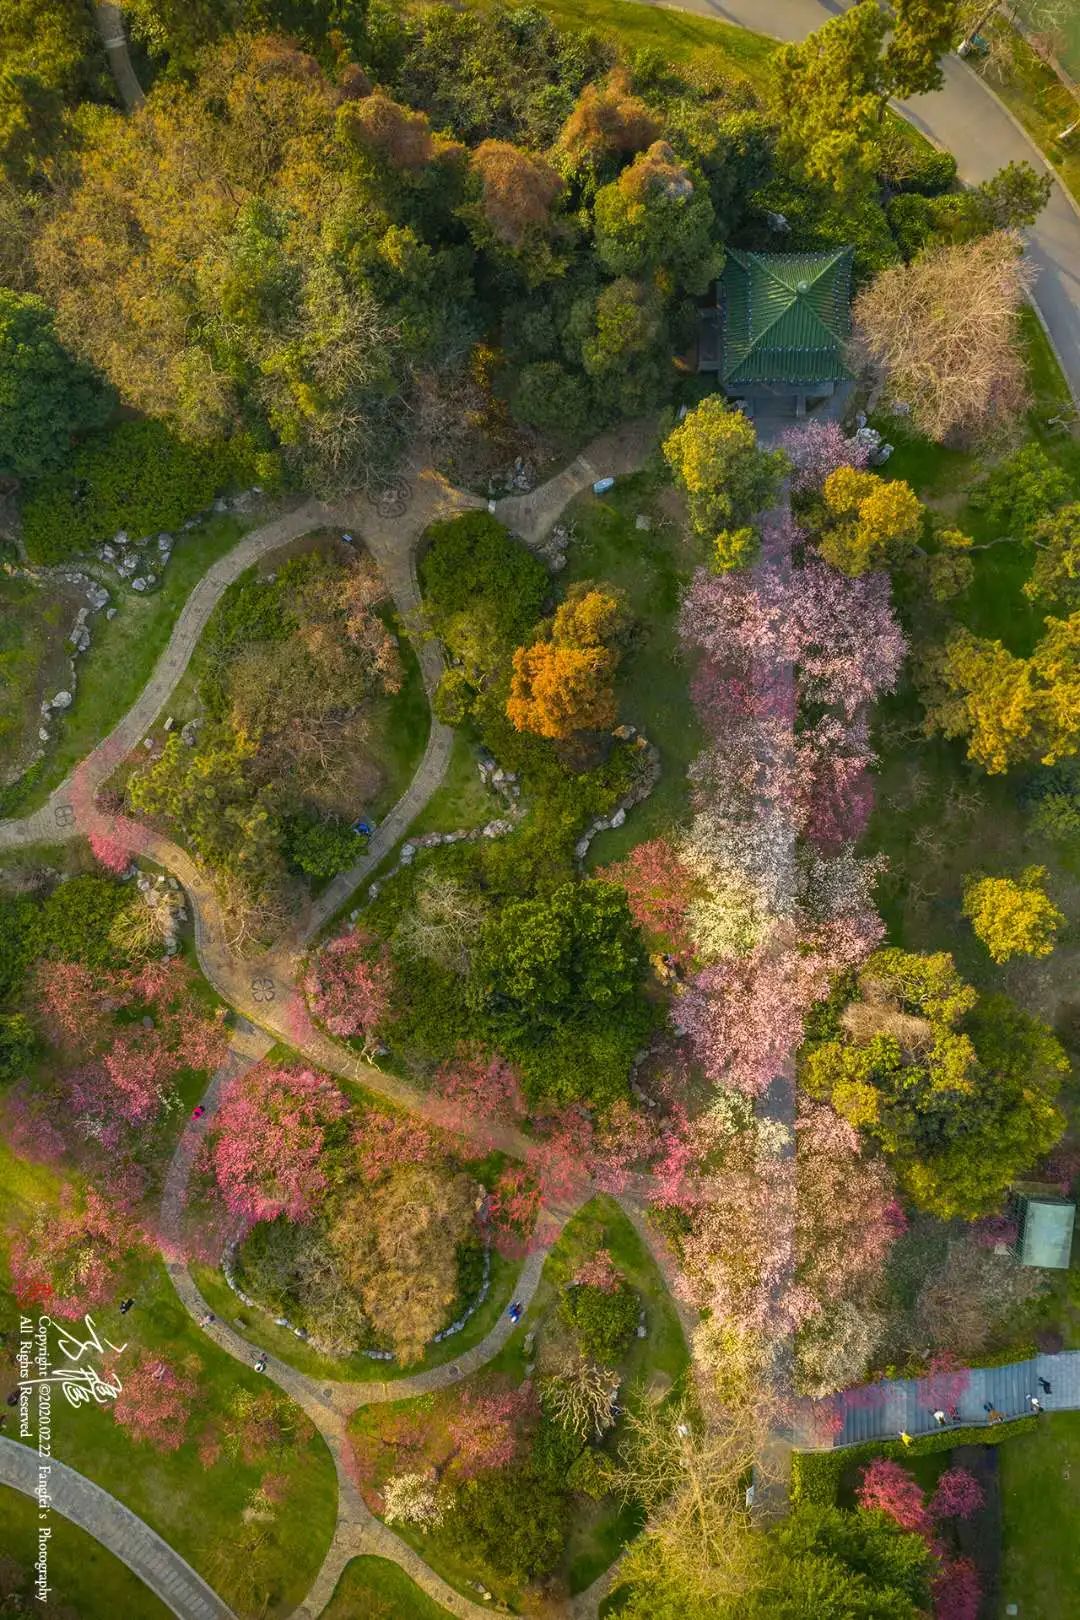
column 942, row 333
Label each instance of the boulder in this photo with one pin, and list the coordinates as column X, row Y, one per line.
column 189, row 732
column 120, row 538
column 618, row 818
column 643, row 521
column 80, row 638
column 138, row 584
column 43, row 735
column 107, row 553
column 110, row 613
column 62, row 700
column 97, row 596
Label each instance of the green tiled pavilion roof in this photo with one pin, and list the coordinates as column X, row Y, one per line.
column 787, row 317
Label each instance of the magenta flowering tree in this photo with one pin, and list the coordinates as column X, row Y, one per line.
column 744, row 1016
column 68, row 1260
column 890, row 1489
column 957, row 1591
column 268, row 1142
column 817, row 449
column 958, row 1495
column 839, row 633
column 348, row 986
column 474, row 1096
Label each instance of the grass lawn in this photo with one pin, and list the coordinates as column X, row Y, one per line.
column 677, row 34
column 1040, row 1483
column 376, row 1589
column 599, row 1530
column 118, row 665
column 83, row 1576
column 939, row 818
column 34, row 623
column 462, row 801
column 651, row 568
column 399, row 727
column 193, row 1507
column 1037, row 98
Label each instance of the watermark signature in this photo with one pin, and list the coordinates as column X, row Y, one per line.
column 61, row 1359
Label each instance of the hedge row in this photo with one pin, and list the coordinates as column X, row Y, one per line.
column 137, row 477
column 816, row 1475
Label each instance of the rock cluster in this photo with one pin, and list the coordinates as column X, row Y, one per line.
column 164, row 897
column 647, row 776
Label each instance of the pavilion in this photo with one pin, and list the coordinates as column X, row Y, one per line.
column 778, row 331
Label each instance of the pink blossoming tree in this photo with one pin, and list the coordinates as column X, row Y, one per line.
column 269, row 1136
column 349, row 985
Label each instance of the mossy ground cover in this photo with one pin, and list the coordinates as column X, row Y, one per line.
column 122, row 655
column 34, row 624
column 376, row 1589
column 655, row 1363
column 83, row 1576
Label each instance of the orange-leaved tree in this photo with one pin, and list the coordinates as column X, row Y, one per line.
column 563, row 683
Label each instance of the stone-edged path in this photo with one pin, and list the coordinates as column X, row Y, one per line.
column 144, row 1552
column 263, row 993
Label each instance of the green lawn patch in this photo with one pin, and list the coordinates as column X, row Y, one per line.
column 399, row 727
column 83, row 1576
column 121, row 658
column 376, row 1589
column 190, row 1505
column 651, row 567
column 677, row 34
column 461, row 801
column 1040, row 1479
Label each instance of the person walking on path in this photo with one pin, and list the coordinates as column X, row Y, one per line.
column 1035, row 1404
column 939, row 1418
column 905, row 1438
column 1044, row 1385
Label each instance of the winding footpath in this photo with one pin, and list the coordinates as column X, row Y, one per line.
column 268, row 1007
column 967, row 119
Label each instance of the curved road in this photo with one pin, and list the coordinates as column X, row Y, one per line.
column 967, row 118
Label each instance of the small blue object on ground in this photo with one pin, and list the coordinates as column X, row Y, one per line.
column 364, row 826
column 602, row 486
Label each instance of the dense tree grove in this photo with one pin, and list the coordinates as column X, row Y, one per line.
column 340, row 241
column 330, row 222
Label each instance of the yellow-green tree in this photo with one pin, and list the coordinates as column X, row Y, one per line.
column 873, row 522
column 1010, row 709
column 715, row 458
column 1013, row 916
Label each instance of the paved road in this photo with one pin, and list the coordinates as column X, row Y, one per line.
column 76, row 1498
column 969, row 120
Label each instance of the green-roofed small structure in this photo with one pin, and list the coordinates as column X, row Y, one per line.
column 781, row 326
column 1046, row 1232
